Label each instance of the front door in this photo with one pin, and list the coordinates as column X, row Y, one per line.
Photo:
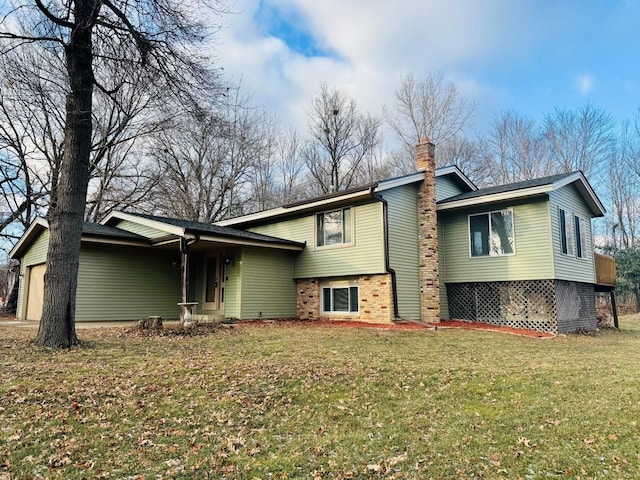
column 214, row 283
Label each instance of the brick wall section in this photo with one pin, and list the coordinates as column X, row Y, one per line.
column 428, row 234
column 308, row 301
column 376, row 301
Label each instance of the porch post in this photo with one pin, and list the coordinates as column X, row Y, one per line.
column 184, row 250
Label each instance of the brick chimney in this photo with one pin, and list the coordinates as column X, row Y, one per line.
column 428, row 233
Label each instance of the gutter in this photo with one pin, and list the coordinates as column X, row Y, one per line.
column 387, row 262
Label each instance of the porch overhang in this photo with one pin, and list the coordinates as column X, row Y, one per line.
column 218, row 241
column 199, row 233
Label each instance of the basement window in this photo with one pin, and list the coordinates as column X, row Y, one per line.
column 340, row 299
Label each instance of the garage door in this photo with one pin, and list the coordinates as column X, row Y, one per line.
column 35, row 291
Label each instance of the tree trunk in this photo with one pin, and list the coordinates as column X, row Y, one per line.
column 57, row 325
column 12, row 300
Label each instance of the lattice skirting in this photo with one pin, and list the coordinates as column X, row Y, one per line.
column 544, row 305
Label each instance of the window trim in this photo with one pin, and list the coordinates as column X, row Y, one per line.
column 316, row 228
column 488, row 214
column 331, row 286
column 567, row 227
column 580, row 234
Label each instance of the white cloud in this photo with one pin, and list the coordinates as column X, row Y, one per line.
column 585, row 83
column 373, row 42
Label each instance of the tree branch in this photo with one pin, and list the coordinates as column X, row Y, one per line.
column 58, row 21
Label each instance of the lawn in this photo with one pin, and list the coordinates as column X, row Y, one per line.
column 287, row 401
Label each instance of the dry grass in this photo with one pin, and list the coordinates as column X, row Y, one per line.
column 309, row 402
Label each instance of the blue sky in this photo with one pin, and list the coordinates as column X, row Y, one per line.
column 529, row 56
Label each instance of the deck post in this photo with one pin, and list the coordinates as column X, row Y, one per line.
column 614, row 309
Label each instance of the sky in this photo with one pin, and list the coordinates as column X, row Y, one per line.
column 527, row 56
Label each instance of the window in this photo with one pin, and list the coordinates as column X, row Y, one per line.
column 334, row 228
column 567, row 231
column 491, row 234
column 340, row 299
column 580, row 231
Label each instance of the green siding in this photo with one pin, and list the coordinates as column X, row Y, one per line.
column 446, row 188
column 364, row 256
column 36, row 255
column 143, row 230
column 126, row 283
column 233, row 286
column 442, row 242
column 268, row 288
column 403, row 247
column 532, row 260
column 568, row 267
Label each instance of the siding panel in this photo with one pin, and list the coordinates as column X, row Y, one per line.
column 442, row 268
column 569, row 267
column 268, row 288
column 532, row 261
column 365, row 256
column 446, row 188
column 403, row 247
column 143, row 230
column 126, row 283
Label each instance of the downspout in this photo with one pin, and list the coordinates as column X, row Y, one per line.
column 387, row 262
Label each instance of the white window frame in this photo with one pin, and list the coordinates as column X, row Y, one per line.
column 569, row 232
column 488, row 214
column 330, row 287
column 579, row 225
column 320, row 235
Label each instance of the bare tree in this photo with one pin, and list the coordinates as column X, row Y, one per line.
column 427, row 107
column 289, row 168
column 473, row 158
column 205, row 161
column 120, row 176
column 341, row 138
column 580, row 139
column 91, row 37
column 624, row 187
column 519, row 151
column 30, row 139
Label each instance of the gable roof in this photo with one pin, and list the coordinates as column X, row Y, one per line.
column 179, row 228
column 357, row 193
column 527, row 188
column 94, row 232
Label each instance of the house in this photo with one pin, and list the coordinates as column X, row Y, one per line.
column 421, row 247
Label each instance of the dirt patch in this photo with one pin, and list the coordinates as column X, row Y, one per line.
column 208, row 328
column 459, row 324
column 469, row 325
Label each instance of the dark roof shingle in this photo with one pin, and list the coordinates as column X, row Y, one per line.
column 509, row 187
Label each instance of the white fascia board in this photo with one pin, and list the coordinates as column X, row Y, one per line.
column 158, row 225
column 38, row 224
column 496, row 197
column 399, row 182
column 585, row 188
column 115, row 241
column 250, row 243
column 276, row 212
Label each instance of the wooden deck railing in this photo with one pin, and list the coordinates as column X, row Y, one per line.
column 605, row 270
